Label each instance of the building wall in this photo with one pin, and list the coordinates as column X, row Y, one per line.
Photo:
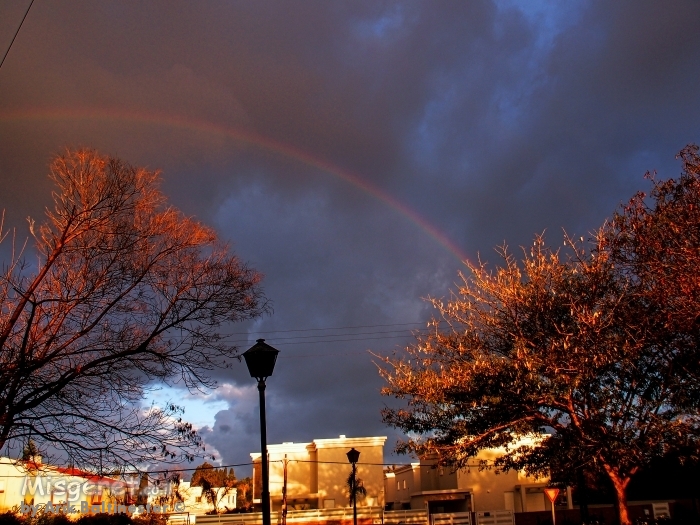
column 433, row 477
column 11, row 481
column 195, row 502
column 407, row 481
column 441, row 489
column 334, row 469
column 390, row 493
column 317, row 472
column 493, row 490
column 298, row 470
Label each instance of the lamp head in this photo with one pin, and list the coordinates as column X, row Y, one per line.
column 260, row 359
column 353, row 455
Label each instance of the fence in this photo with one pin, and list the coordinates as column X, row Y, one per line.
column 405, row 517
column 340, row 516
column 682, row 512
column 495, row 517
column 451, row 518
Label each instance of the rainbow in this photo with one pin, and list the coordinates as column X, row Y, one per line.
column 248, row 137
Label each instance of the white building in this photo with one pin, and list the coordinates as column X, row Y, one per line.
column 193, row 500
column 31, row 483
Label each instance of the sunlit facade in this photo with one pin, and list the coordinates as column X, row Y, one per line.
column 193, row 499
column 317, row 473
column 67, row 490
column 424, row 485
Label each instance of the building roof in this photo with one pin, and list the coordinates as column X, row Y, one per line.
column 316, row 444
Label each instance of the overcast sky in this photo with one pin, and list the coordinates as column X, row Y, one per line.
column 353, row 152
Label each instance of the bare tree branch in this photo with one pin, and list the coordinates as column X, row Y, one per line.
column 125, row 291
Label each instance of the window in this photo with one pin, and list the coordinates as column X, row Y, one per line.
column 198, row 499
column 404, row 484
column 398, row 485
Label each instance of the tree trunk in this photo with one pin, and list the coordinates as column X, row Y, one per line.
column 582, row 495
column 620, row 485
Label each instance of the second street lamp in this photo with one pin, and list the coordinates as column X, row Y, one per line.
column 260, row 359
column 353, row 457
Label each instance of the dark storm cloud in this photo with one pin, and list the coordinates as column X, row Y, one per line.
column 491, row 120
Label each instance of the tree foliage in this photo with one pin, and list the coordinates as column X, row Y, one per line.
column 244, row 496
column 29, row 451
column 656, row 246
column 355, row 488
column 593, row 347
column 215, row 483
column 216, row 477
column 122, row 292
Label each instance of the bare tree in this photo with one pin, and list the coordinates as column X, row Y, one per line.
column 125, row 292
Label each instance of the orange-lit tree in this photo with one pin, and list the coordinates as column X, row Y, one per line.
column 122, row 292
column 216, row 483
column 655, row 242
column 244, row 499
column 595, row 351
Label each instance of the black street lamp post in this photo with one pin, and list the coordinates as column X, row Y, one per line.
column 260, row 359
column 353, row 456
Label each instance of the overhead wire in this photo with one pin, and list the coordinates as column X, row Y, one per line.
column 363, row 335
column 314, row 336
column 301, row 339
column 16, row 33
column 329, row 328
column 341, row 340
column 175, row 469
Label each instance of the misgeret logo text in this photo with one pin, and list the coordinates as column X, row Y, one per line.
column 73, row 490
column 70, row 489
column 106, row 508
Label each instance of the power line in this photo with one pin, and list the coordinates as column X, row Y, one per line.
column 329, row 328
column 334, row 354
column 176, row 469
column 315, row 338
column 398, row 333
column 46, row 469
column 338, row 353
column 330, row 338
column 341, row 340
column 16, row 33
